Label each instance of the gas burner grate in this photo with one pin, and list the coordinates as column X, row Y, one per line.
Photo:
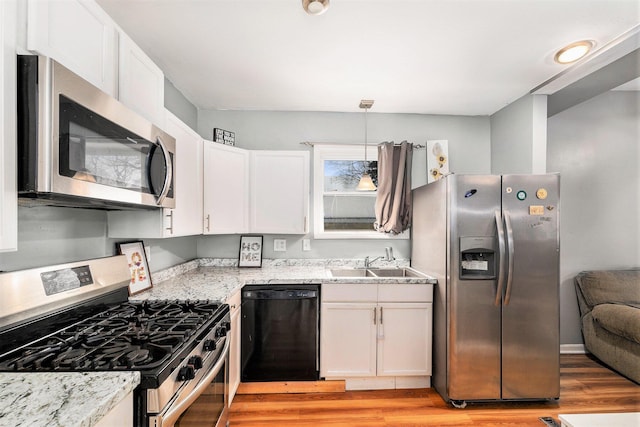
column 141, row 335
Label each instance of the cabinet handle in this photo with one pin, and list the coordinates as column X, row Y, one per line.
column 170, row 216
column 381, row 315
column 208, row 222
column 375, row 315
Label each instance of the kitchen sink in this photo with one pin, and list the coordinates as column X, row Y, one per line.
column 396, row 272
column 376, row 272
column 352, row 272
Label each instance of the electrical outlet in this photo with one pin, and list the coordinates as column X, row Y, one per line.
column 147, row 252
column 306, row 244
column 279, row 245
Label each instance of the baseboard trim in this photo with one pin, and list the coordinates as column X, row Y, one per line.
column 292, row 387
column 572, row 349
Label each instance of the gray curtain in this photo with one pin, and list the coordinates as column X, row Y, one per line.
column 393, row 201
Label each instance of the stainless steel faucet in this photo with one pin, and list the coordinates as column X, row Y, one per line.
column 388, row 256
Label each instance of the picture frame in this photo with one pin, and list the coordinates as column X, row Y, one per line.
column 140, row 279
column 250, row 254
column 437, row 160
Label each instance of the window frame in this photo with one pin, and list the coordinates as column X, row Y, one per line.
column 341, row 152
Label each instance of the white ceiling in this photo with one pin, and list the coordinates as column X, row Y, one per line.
column 462, row 57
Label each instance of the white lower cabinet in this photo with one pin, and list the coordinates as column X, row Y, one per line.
column 234, row 346
column 120, row 415
column 377, row 335
column 348, row 340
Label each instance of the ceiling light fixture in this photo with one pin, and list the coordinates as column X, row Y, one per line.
column 366, row 183
column 574, row 51
column 315, row 7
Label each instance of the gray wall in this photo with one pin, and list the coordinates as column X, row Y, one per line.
column 176, row 102
column 469, row 152
column 519, row 136
column 595, row 147
column 54, row 235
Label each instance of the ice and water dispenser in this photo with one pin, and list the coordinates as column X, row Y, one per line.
column 477, row 258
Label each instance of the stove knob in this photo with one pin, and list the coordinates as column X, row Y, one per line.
column 186, row 373
column 195, row 361
column 209, row 345
column 221, row 331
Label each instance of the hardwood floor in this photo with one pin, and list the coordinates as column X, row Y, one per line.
column 586, row 387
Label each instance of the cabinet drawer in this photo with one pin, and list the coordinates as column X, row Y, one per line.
column 349, row 292
column 399, row 292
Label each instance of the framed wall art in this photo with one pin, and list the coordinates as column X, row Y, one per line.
column 138, row 265
column 437, row 159
column 250, row 251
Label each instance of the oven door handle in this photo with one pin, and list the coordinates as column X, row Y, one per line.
column 173, row 413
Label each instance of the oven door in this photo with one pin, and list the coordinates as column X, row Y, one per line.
column 206, row 404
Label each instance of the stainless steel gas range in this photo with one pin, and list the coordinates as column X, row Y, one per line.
column 77, row 317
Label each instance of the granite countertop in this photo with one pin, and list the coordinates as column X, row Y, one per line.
column 218, row 279
column 66, row 399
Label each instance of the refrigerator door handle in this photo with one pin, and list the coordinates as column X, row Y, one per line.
column 510, row 249
column 501, row 257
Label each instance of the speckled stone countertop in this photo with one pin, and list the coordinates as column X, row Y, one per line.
column 218, row 279
column 69, row 399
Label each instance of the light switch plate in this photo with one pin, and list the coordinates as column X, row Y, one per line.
column 306, row 244
column 279, row 245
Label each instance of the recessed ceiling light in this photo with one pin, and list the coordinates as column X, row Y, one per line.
column 574, row 51
column 315, row 7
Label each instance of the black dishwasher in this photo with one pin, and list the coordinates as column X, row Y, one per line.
column 280, row 332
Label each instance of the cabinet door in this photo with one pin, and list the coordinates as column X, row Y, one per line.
column 79, row 35
column 186, row 218
column 348, row 340
column 226, row 189
column 8, row 195
column 279, row 192
column 404, row 339
column 234, row 350
column 140, row 81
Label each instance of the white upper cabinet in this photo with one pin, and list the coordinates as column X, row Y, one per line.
column 186, row 218
column 279, row 192
column 140, row 81
column 8, row 192
column 79, row 35
column 226, row 189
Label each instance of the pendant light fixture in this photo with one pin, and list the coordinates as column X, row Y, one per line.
column 315, row 7
column 366, row 183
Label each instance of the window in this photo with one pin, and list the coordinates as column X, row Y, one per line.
column 340, row 211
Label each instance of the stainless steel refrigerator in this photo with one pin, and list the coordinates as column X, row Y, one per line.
column 492, row 242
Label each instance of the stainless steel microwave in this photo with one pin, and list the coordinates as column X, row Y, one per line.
column 80, row 147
